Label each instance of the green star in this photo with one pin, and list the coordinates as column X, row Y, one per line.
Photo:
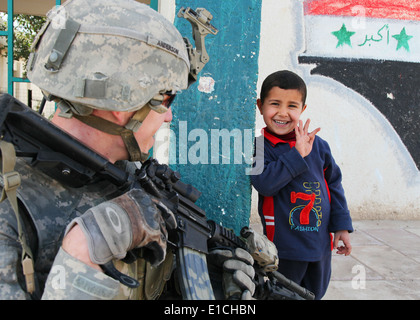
column 402, row 39
column 343, row 36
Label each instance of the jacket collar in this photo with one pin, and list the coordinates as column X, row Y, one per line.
column 275, row 139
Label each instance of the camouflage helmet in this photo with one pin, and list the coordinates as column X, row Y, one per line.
column 114, row 55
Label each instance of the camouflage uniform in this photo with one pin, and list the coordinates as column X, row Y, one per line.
column 47, row 207
column 112, row 55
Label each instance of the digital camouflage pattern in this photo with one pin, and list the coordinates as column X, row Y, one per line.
column 110, row 55
column 72, row 279
column 51, row 207
column 123, row 54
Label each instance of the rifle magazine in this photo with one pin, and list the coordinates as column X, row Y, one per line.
column 194, row 279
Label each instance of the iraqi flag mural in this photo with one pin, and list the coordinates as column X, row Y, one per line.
column 372, row 47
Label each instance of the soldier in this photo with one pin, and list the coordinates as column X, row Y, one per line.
column 113, row 67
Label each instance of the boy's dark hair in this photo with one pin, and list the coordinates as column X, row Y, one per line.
column 284, row 80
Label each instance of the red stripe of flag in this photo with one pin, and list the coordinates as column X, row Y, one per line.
column 383, row 9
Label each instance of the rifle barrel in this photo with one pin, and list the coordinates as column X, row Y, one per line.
column 289, row 284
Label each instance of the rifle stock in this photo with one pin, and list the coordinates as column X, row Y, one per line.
column 50, row 149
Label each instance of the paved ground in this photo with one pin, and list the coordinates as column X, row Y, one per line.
column 384, row 264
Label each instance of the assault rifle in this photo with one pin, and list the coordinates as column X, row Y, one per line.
column 270, row 284
column 57, row 154
column 163, row 183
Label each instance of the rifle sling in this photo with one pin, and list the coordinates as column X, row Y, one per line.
column 11, row 181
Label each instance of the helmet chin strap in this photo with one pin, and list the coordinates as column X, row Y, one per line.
column 84, row 114
column 126, row 133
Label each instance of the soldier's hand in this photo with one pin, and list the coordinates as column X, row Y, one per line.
column 238, row 272
column 117, row 226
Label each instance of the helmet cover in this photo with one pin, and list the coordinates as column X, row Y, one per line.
column 113, row 55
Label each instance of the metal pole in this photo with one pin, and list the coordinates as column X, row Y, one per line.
column 10, row 49
column 154, row 4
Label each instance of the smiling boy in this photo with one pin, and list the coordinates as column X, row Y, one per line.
column 301, row 198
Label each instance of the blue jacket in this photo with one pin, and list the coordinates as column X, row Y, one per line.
column 301, row 200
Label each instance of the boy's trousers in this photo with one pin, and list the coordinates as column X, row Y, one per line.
column 314, row 276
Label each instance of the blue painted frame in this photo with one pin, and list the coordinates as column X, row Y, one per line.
column 10, row 47
column 154, row 4
column 234, row 52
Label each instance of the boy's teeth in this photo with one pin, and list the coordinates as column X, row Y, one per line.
column 280, row 122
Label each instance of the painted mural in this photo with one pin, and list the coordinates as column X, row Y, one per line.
column 372, row 47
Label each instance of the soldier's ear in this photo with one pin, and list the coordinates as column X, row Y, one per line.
column 121, row 118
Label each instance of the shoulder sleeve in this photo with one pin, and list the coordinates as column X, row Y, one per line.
column 269, row 174
column 71, row 279
column 340, row 218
